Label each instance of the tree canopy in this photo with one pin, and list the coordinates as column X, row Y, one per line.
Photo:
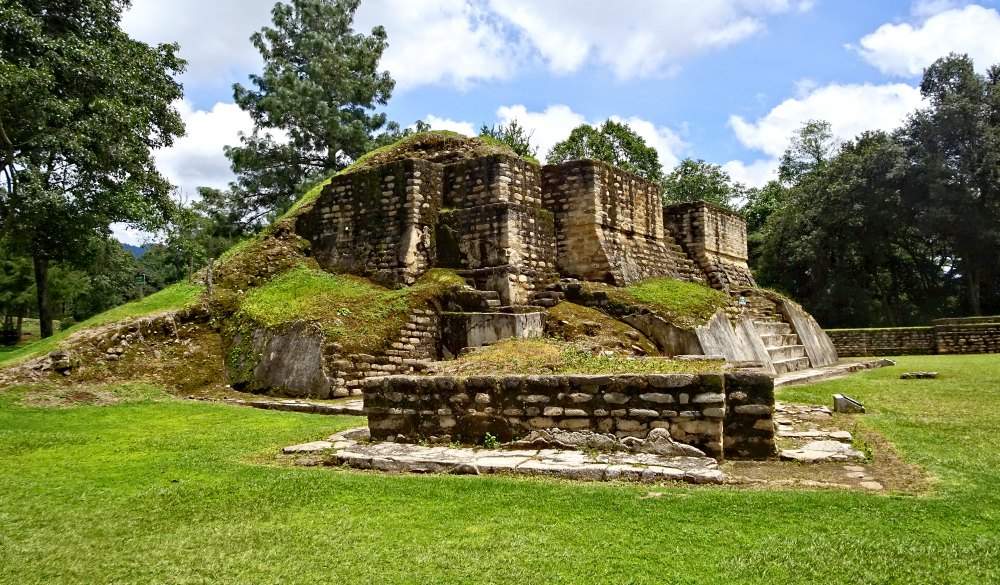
column 82, row 106
column 312, row 105
column 697, row 180
column 614, row 143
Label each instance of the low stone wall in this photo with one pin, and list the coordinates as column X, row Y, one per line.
column 944, row 336
column 718, row 413
column 871, row 342
column 968, row 338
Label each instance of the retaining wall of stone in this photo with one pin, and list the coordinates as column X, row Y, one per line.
column 608, row 223
column 716, row 239
column 720, row 414
column 378, row 223
column 944, row 336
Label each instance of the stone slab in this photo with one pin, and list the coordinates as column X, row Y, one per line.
column 818, row 345
column 354, row 451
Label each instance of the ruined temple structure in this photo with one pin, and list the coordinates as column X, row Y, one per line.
column 514, row 227
column 521, row 235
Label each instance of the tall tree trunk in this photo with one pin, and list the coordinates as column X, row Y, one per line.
column 44, row 295
column 974, row 288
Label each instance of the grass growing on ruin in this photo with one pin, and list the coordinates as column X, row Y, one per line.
column 684, row 300
column 575, row 322
column 173, row 297
column 354, row 312
column 183, row 492
column 549, row 356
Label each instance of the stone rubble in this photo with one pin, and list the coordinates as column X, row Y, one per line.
column 351, row 448
column 817, row 451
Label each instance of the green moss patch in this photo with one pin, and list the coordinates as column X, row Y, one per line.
column 685, row 304
column 549, row 356
column 361, row 316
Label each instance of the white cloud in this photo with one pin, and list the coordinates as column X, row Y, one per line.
column 850, row 109
column 755, row 174
column 905, row 50
column 214, row 36
column 637, row 38
column 196, row 159
column 465, row 128
column 546, row 127
column 440, row 42
column 928, row 8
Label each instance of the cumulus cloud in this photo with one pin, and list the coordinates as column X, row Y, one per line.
column 458, row 43
column 214, row 36
column 638, row 38
column 440, row 42
column 905, row 50
column 755, row 174
column 465, row 128
column 850, row 109
column 196, row 159
column 546, row 127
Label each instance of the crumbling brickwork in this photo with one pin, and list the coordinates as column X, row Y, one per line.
column 716, row 239
column 609, row 226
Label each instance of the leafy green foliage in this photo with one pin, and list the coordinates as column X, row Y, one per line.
column 82, row 106
column 697, row 180
column 311, row 105
column 614, row 143
column 514, row 136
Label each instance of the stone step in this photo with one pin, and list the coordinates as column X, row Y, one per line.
column 490, row 294
column 772, row 327
column 790, row 365
column 492, row 303
column 786, row 352
column 546, row 303
column 777, row 340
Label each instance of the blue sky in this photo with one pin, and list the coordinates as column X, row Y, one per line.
column 727, row 81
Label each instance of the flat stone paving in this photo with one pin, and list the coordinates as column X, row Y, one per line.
column 812, row 375
column 352, row 448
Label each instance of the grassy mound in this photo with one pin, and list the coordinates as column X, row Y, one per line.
column 685, row 304
column 549, row 356
column 361, row 316
column 173, row 297
column 576, row 323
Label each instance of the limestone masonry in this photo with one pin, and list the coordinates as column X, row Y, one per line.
column 514, row 227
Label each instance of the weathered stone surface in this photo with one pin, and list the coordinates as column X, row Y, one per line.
column 820, row 451
column 918, row 375
column 817, row 343
column 313, row 447
column 650, row 466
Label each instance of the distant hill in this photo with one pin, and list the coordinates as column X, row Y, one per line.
column 137, row 251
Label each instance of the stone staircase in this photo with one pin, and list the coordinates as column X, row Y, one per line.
column 787, row 354
column 548, row 298
column 687, row 270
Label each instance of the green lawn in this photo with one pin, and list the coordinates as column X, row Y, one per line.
column 172, row 491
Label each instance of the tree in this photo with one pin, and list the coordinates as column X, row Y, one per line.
column 81, row 107
column 311, row 106
column 512, row 135
column 697, row 180
column 954, row 154
column 812, row 145
column 15, row 293
column 614, row 143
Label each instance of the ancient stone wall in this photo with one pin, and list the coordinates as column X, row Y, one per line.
column 878, row 342
column 944, row 336
column 694, row 408
column 608, row 223
column 716, row 239
column 378, row 223
column 493, row 227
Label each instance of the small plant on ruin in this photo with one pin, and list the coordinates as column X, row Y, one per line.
column 491, row 442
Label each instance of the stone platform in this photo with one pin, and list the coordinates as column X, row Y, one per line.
column 352, row 448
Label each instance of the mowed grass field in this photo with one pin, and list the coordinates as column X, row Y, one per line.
column 159, row 490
